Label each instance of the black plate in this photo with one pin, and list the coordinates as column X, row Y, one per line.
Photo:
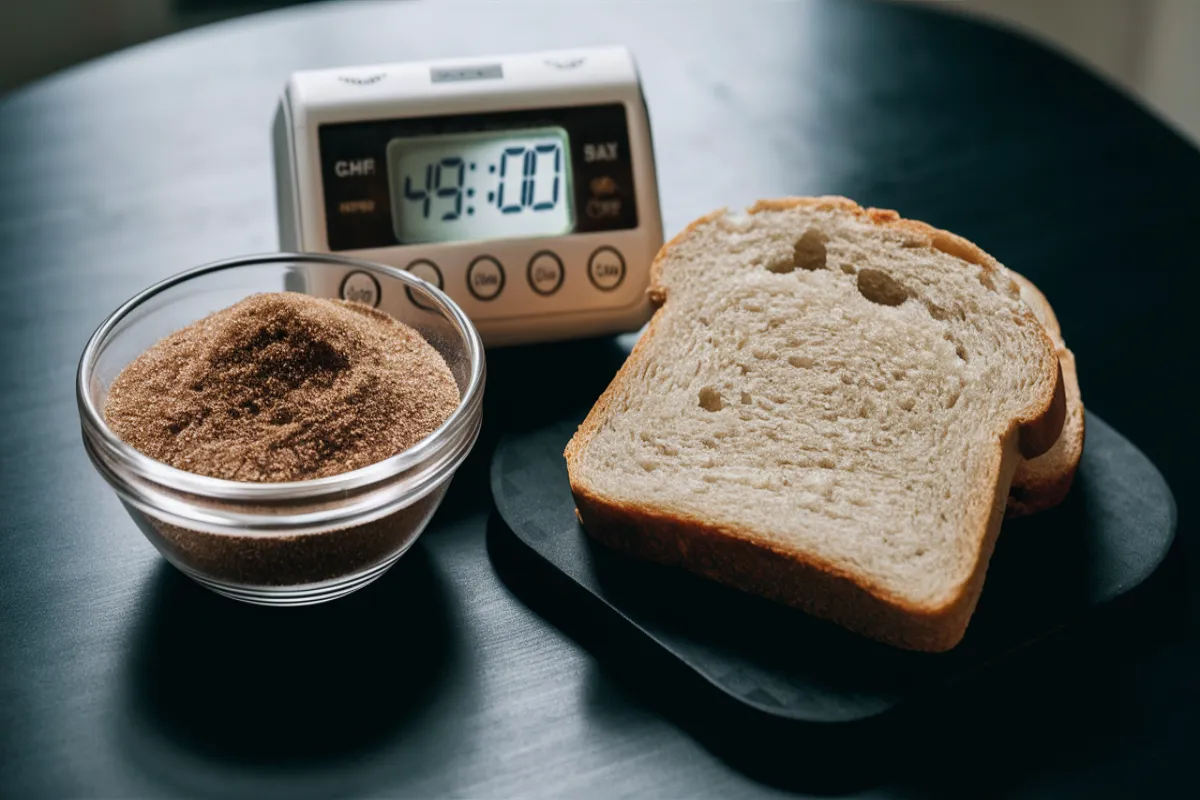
column 1108, row 536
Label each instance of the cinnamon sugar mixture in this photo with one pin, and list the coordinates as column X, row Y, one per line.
column 282, row 387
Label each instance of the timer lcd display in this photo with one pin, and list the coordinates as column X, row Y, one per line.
column 477, row 186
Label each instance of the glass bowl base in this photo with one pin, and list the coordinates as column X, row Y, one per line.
column 311, row 594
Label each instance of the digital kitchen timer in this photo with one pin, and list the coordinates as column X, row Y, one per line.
column 523, row 186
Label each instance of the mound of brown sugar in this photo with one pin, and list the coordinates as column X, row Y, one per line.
column 282, row 387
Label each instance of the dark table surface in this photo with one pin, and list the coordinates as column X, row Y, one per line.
column 118, row 677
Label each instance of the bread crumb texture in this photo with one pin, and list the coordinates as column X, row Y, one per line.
column 823, row 384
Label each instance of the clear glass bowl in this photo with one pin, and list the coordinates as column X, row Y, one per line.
column 282, row 543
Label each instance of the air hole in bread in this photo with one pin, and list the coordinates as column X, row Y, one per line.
column 782, row 265
column 848, row 269
column 961, row 351
column 801, row 361
column 746, row 399
column 808, row 253
column 986, row 280
column 710, row 399
column 881, row 288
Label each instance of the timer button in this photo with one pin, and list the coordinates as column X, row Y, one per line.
column 485, row 278
column 428, row 272
column 545, row 273
column 606, row 268
column 360, row 287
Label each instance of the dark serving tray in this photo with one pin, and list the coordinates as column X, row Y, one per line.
column 1108, row 536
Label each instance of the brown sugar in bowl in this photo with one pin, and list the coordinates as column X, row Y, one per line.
column 228, row 562
column 329, row 515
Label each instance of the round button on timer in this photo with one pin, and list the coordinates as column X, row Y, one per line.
column 360, row 287
column 426, row 271
column 606, row 268
column 545, row 273
column 485, row 278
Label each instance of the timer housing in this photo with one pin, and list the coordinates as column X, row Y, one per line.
column 523, row 186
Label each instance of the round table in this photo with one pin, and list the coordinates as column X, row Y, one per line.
column 119, row 677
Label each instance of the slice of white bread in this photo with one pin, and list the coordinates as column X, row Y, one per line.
column 827, row 409
column 1044, row 481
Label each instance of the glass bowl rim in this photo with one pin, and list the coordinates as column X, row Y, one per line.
column 446, row 435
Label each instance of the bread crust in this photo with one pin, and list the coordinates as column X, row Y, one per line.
column 736, row 558
column 727, row 556
column 1043, row 482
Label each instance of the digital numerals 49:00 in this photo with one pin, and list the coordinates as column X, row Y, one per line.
column 535, row 187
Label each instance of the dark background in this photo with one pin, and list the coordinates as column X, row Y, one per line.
column 1145, row 46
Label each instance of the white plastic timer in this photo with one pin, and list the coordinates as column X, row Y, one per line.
column 523, row 186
